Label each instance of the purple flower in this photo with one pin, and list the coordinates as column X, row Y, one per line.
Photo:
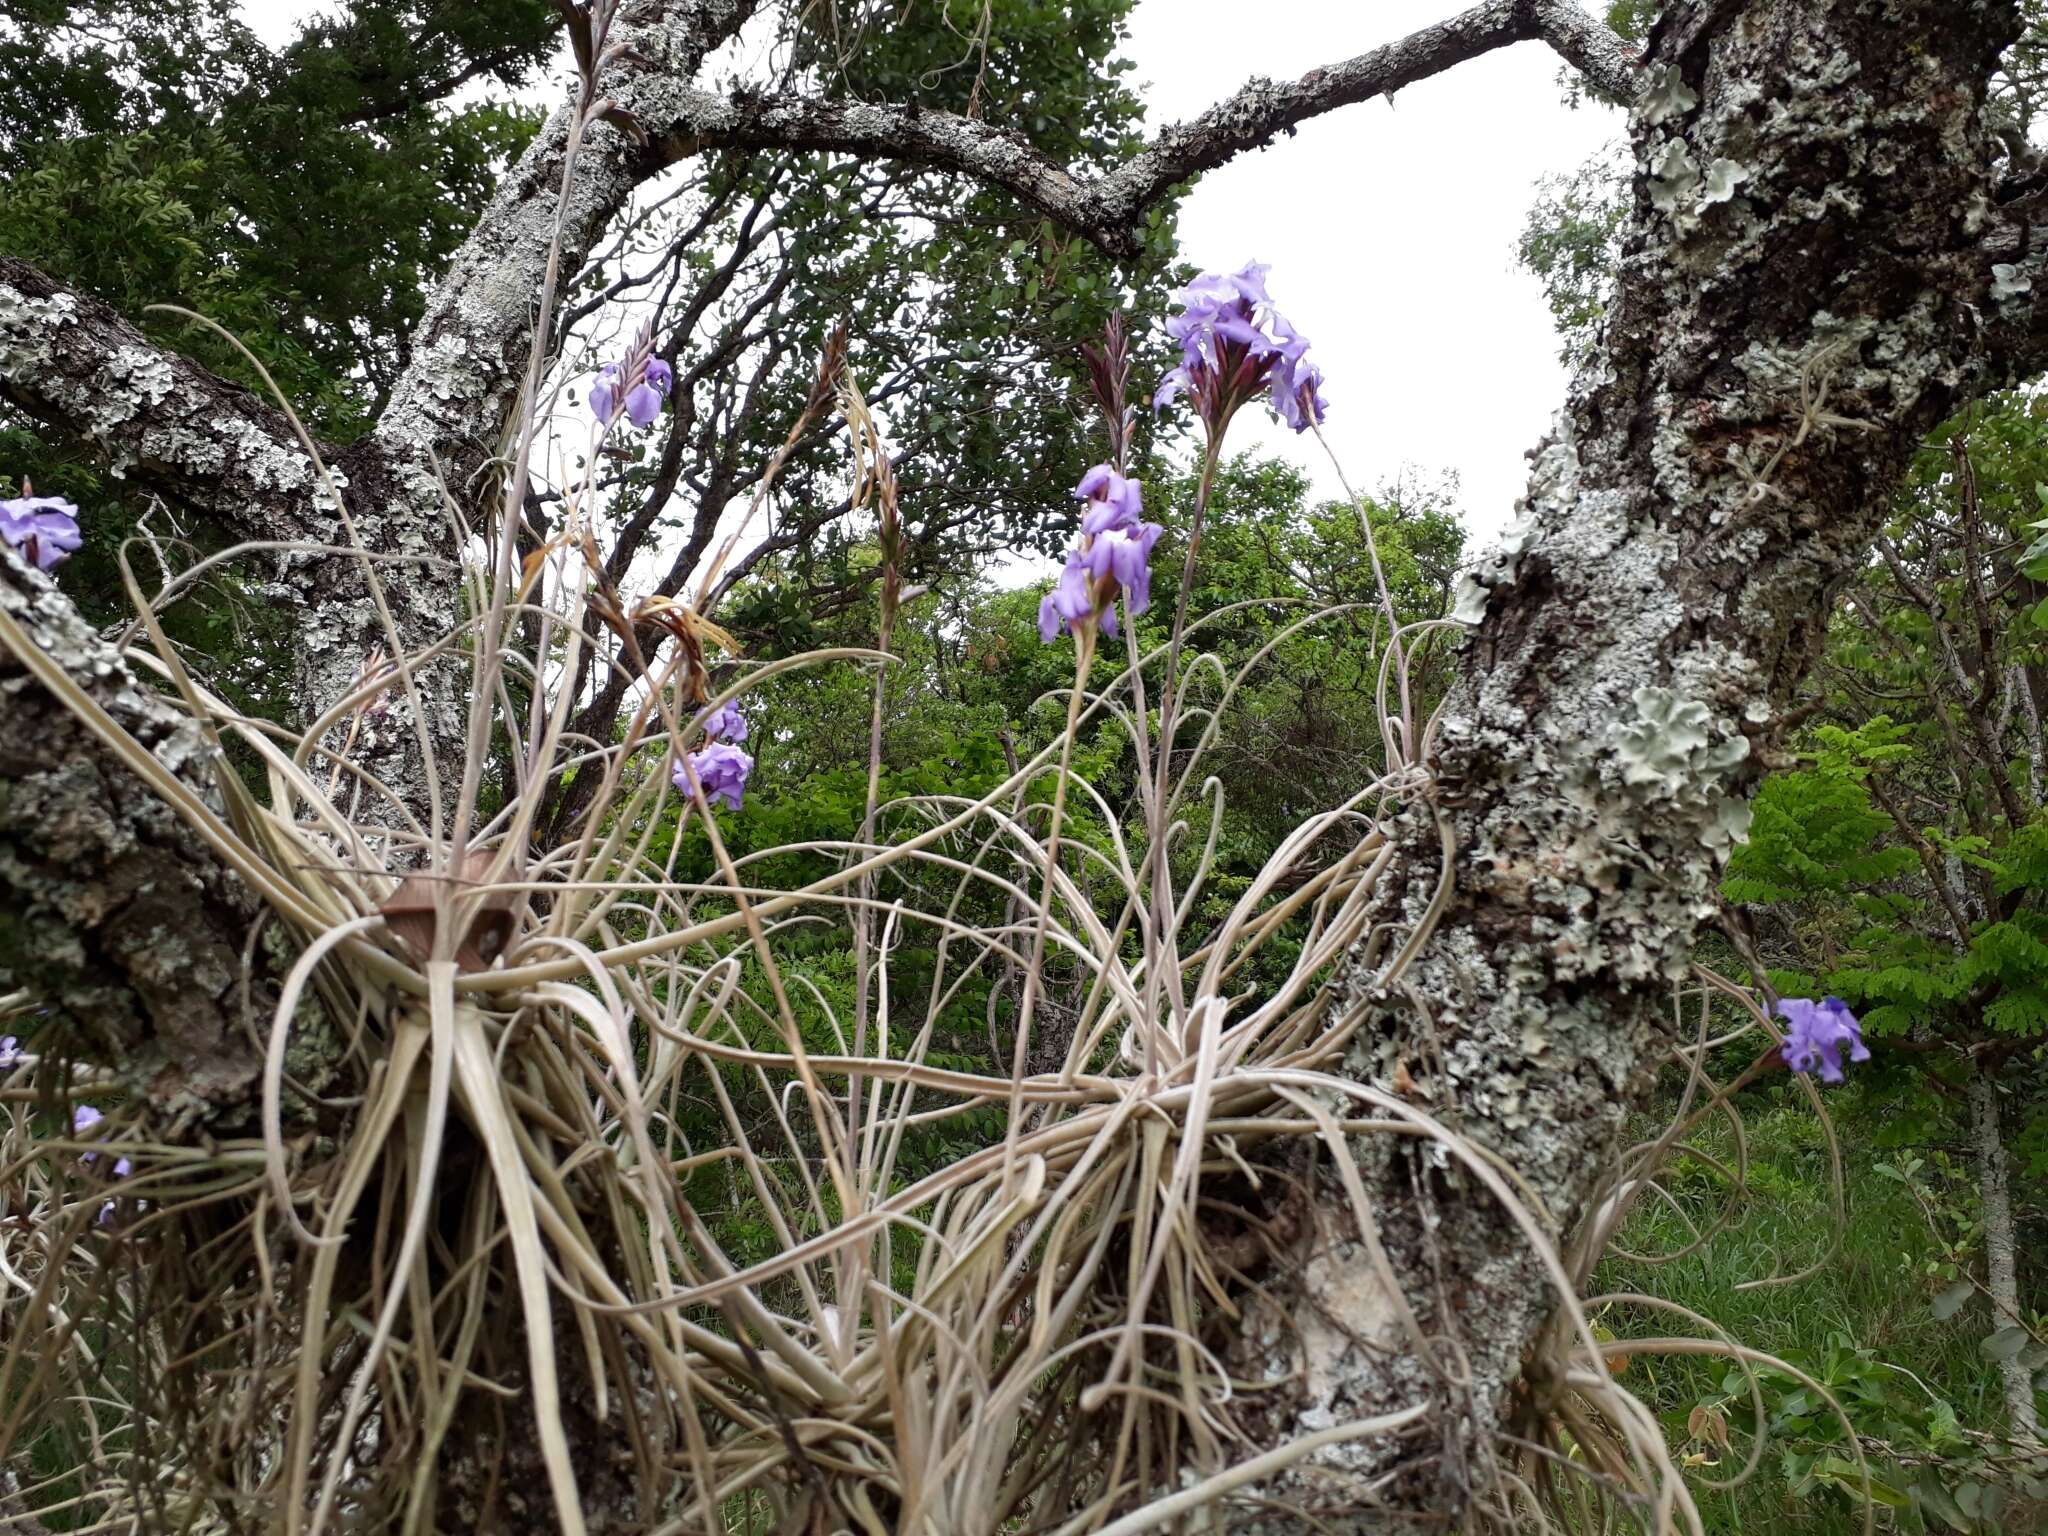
column 43, row 528
column 1818, row 1033
column 1180, row 381
column 83, row 1118
column 122, row 1168
column 726, row 723
column 721, row 769
column 1234, row 344
column 1297, row 383
column 1070, row 602
column 604, row 393
column 1117, row 558
column 643, row 400
column 1300, row 402
column 1246, row 286
column 10, row 1052
column 1124, row 555
column 1114, row 502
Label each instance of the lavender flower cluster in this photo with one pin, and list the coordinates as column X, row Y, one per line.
column 642, row 396
column 721, row 767
column 1817, row 1035
column 1114, row 556
column 1235, row 345
column 83, row 1118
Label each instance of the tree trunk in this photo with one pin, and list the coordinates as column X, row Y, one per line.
column 115, row 915
column 1786, row 330
column 2001, row 1267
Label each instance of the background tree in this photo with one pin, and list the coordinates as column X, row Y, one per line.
column 307, row 198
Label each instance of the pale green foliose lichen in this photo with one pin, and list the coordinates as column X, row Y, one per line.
column 1668, row 96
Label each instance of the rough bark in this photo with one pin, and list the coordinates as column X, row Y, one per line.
column 178, row 430
column 2001, row 1268
column 1813, row 188
column 152, row 416
column 116, row 916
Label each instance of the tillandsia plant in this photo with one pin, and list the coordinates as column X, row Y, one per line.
column 469, row 1271
column 469, row 1222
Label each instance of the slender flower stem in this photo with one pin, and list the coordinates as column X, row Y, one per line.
column 1379, row 577
column 1165, row 973
column 1203, row 491
column 863, row 915
column 1084, row 655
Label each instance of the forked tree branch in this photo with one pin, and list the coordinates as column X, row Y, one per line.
column 1109, row 209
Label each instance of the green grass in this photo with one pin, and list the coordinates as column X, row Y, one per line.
column 1864, row 1321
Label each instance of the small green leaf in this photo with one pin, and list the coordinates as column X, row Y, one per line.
column 1930, row 1494
column 1951, row 1301
column 2006, row 1343
column 1847, row 1476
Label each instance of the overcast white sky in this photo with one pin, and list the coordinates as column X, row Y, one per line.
column 1390, row 230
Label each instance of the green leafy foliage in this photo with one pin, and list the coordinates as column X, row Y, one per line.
column 1901, row 865
column 1632, row 18
column 304, row 198
column 1570, row 242
column 1878, row 1327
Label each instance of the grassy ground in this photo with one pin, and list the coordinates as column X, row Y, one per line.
column 1864, row 1322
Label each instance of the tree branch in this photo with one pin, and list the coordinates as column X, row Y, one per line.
column 71, row 361
column 1109, row 209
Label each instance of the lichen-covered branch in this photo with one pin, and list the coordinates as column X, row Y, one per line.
column 2011, row 304
column 444, row 439
column 454, row 401
column 156, row 417
column 117, row 916
column 1110, row 209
